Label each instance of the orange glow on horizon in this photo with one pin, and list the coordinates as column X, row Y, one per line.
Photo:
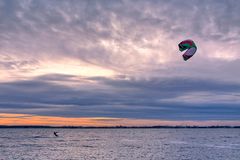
column 27, row 119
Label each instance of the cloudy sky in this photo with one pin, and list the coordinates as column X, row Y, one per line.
column 105, row 62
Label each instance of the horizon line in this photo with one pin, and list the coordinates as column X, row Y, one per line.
column 120, row 126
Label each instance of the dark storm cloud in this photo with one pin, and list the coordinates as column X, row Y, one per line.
column 120, row 98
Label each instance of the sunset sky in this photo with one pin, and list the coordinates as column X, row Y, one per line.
column 107, row 62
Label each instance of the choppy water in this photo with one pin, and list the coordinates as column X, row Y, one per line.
column 120, row 144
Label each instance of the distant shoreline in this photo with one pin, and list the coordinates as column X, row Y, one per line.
column 116, row 127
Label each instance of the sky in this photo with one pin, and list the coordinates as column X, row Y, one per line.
column 107, row 63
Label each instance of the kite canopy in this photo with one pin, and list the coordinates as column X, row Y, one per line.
column 188, row 45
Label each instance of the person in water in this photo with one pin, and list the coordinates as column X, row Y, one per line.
column 55, row 134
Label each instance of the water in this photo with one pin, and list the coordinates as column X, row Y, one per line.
column 120, row 144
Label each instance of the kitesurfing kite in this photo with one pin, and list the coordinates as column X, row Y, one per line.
column 190, row 46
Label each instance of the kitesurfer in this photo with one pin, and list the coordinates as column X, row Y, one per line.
column 55, row 134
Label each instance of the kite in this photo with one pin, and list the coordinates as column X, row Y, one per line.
column 190, row 46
